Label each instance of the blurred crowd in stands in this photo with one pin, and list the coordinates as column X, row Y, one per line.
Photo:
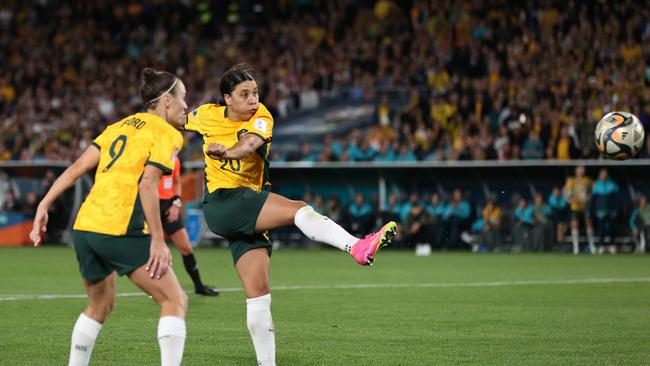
column 13, row 199
column 23, row 199
column 451, row 80
column 584, row 213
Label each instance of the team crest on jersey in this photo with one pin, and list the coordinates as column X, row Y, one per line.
column 241, row 133
column 260, row 125
column 195, row 112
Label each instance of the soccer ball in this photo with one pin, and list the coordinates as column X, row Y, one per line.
column 619, row 135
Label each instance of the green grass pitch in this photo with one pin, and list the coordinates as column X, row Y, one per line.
column 447, row 309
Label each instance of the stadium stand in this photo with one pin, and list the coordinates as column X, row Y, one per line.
column 348, row 81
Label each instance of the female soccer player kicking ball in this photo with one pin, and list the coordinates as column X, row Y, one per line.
column 239, row 207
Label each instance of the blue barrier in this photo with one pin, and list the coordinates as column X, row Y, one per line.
column 194, row 225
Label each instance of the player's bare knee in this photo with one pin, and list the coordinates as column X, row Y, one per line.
column 185, row 250
column 93, row 314
column 259, row 290
column 176, row 304
column 296, row 206
column 180, row 304
column 99, row 312
column 179, row 301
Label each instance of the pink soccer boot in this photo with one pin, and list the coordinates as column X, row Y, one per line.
column 365, row 249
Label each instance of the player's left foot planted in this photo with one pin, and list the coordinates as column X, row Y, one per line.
column 365, row 249
column 206, row 291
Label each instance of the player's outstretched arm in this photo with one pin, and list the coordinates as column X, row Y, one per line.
column 87, row 161
column 159, row 257
column 244, row 147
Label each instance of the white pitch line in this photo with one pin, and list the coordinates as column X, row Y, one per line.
column 368, row 286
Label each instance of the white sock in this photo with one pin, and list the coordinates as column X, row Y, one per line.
column 575, row 236
column 260, row 326
column 320, row 228
column 84, row 335
column 171, row 338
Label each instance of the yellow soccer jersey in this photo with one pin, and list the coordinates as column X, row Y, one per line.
column 577, row 192
column 211, row 121
column 113, row 205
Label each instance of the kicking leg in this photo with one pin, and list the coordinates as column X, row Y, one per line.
column 280, row 211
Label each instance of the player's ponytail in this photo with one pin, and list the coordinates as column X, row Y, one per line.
column 155, row 84
column 234, row 76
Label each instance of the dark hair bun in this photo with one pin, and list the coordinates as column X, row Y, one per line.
column 149, row 74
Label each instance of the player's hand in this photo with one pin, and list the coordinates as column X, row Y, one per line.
column 216, row 151
column 173, row 213
column 40, row 225
column 160, row 260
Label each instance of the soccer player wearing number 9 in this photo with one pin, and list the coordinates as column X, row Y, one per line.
column 238, row 205
column 110, row 234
